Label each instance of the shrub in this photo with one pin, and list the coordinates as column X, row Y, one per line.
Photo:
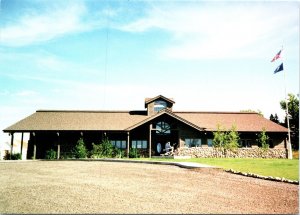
column 219, row 137
column 263, row 140
column 134, row 153
column 14, row 156
column 119, row 153
column 106, row 149
column 226, row 140
column 80, row 150
column 51, row 154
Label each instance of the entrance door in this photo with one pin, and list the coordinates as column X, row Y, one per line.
column 158, row 148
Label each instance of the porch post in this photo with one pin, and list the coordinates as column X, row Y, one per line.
column 150, row 142
column 128, row 139
column 11, row 144
column 22, row 136
column 34, row 146
column 58, row 146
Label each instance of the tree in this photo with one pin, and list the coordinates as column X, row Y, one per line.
column 232, row 139
column 80, row 150
column 293, row 113
column 263, row 140
column 219, row 137
column 252, row 111
column 226, row 140
column 274, row 118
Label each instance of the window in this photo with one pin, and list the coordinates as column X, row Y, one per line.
column 159, row 105
column 139, row 144
column 120, row 144
column 209, row 142
column 245, row 143
column 192, row 142
column 162, row 128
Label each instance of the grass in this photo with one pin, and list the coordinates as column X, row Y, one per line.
column 282, row 168
column 295, row 154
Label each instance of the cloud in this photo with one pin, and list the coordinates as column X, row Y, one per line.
column 219, row 30
column 26, row 93
column 38, row 26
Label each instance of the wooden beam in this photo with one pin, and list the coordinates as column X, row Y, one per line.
column 22, row 137
column 128, row 141
column 34, row 151
column 58, row 146
column 150, row 144
column 11, row 144
column 58, row 151
column 34, row 146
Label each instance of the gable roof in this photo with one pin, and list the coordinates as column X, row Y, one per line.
column 149, row 100
column 167, row 112
column 56, row 120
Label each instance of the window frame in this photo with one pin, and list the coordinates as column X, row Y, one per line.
column 189, row 145
column 139, row 144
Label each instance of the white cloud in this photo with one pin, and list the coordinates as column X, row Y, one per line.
column 38, row 27
column 220, row 30
column 26, row 93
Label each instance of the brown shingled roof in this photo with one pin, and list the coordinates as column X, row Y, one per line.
column 148, row 100
column 78, row 120
column 244, row 121
column 126, row 120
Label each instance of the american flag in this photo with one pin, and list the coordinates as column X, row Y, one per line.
column 276, row 56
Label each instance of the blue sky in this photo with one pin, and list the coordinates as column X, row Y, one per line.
column 110, row 55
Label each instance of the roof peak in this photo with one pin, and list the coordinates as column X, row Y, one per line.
column 148, row 100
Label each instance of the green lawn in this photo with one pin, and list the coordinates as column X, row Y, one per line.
column 283, row 168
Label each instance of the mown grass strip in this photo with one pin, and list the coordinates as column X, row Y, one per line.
column 282, row 168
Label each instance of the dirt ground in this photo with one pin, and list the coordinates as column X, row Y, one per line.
column 107, row 187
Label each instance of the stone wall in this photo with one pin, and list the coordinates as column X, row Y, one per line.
column 201, row 152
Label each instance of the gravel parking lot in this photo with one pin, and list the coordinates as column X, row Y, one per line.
column 108, row 187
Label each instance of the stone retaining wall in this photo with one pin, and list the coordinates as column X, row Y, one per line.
column 201, row 152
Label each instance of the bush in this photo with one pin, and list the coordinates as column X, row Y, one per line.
column 134, row 153
column 226, row 140
column 263, row 140
column 51, row 154
column 119, row 153
column 106, row 149
column 80, row 150
column 14, row 156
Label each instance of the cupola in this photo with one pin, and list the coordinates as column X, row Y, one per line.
column 158, row 103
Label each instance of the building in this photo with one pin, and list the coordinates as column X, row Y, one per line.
column 147, row 130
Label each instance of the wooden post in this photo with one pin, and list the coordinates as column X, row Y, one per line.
column 34, row 151
column 150, row 141
column 22, row 137
column 128, row 139
column 58, row 151
column 58, row 146
column 34, row 146
column 11, row 144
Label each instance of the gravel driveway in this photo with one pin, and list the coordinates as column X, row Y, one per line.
column 108, row 187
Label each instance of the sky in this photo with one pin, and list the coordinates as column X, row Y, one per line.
column 111, row 55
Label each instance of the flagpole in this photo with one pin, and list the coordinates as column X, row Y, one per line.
column 289, row 145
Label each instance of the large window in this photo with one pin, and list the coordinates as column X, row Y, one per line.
column 162, row 128
column 192, row 142
column 120, row 144
column 209, row 142
column 139, row 144
column 159, row 105
column 246, row 143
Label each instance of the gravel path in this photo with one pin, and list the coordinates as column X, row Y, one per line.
column 107, row 187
